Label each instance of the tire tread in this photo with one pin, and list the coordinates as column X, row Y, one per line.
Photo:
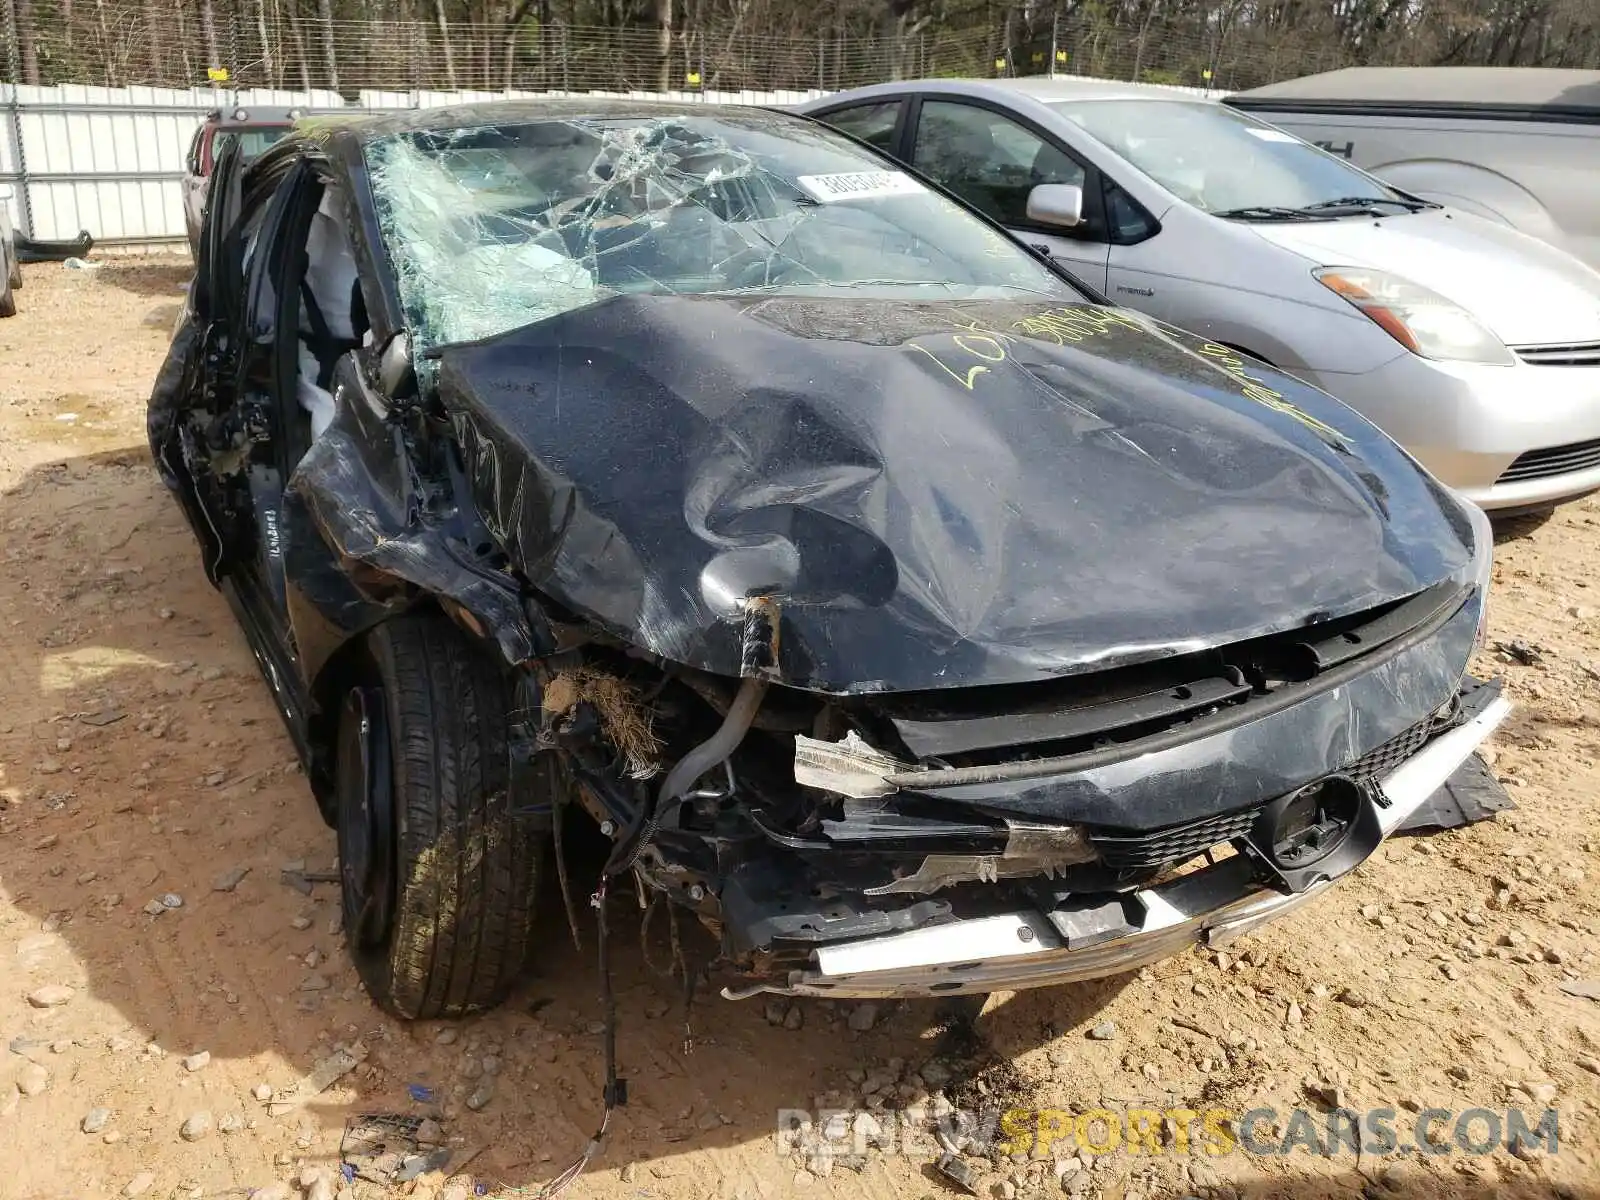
column 468, row 867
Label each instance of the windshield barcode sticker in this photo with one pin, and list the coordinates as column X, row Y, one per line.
column 859, row 185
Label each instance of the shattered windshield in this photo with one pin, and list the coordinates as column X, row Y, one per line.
column 495, row 227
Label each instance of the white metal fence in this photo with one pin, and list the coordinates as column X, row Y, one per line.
column 111, row 160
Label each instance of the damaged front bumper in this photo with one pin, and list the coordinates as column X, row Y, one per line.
column 1091, row 937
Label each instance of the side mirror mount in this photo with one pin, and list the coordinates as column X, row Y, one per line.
column 395, row 372
column 1056, row 204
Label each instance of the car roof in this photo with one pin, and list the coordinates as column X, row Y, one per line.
column 1046, row 89
column 366, row 125
column 1055, row 88
column 1526, row 87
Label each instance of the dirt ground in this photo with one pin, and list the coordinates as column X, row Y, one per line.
column 140, row 758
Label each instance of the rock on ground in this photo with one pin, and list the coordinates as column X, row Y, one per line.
column 32, row 1079
column 95, row 1120
column 863, row 1017
column 52, row 995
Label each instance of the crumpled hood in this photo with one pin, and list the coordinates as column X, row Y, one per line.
column 1526, row 292
column 936, row 495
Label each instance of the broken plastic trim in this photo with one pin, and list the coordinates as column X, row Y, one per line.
column 1030, row 850
column 1442, row 603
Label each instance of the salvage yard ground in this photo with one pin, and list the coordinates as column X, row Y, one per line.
column 141, row 759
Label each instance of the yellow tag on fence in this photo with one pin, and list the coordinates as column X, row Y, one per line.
column 217, row 74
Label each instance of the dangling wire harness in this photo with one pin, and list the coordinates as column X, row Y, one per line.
column 624, row 854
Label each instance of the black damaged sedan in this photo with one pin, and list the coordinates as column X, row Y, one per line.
column 912, row 617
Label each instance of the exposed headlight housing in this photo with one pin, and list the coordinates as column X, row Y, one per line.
column 1479, row 571
column 1421, row 320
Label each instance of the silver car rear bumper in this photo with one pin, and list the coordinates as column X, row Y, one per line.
column 1024, row 949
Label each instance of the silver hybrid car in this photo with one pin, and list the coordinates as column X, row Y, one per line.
column 1474, row 346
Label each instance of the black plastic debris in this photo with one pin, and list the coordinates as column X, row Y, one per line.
column 958, row 1172
column 1472, row 794
column 30, row 251
column 1519, row 651
column 100, row 718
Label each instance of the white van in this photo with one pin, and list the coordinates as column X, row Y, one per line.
column 1519, row 145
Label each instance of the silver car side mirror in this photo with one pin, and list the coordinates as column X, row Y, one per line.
column 1056, row 204
column 5, row 191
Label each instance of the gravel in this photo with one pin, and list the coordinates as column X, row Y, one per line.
column 139, row 1184
column 863, row 1017
column 1103, row 1032
column 196, row 1127
column 95, row 1120
column 197, row 1061
column 32, row 1079
column 52, row 995
column 482, row 1094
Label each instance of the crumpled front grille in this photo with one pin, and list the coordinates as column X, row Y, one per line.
column 1372, row 766
column 1126, row 851
column 1132, row 851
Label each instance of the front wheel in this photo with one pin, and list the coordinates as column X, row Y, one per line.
column 439, row 876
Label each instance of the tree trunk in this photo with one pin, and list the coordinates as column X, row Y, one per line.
column 547, row 45
column 329, row 53
column 208, row 31
column 152, row 35
column 27, row 50
column 664, row 46
column 300, row 56
column 267, row 58
column 444, row 40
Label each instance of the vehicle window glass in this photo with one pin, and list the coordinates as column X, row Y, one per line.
column 193, row 160
column 252, row 142
column 1128, row 222
column 872, row 123
column 492, row 228
column 987, row 159
column 1218, row 159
